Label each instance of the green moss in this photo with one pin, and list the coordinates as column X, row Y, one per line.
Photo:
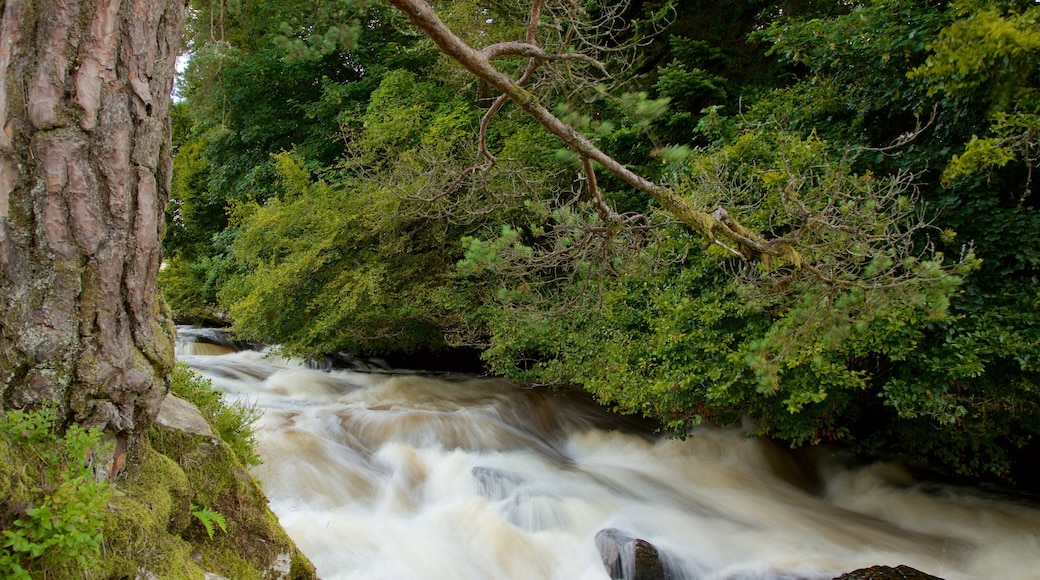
column 151, row 526
column 8, row 471
column 217, row 481
column 145, row 519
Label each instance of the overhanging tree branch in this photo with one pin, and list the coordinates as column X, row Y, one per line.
column 523, row 49
column 712, row 225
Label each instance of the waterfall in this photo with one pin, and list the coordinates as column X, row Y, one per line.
column 398, row 477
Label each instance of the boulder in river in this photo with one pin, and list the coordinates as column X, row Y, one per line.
column 629, row 558
column 887, row 573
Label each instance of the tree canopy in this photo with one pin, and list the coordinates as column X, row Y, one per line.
column 820, row 216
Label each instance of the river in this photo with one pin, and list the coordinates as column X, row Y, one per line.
column 390, row 476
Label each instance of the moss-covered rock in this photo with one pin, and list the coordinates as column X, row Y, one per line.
column 62, row 519
column 152, row 529
column 146, row 518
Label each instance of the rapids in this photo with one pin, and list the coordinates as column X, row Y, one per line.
column 389, row 476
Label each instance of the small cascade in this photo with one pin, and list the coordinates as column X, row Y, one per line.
column 404, row 477
column 195, row 341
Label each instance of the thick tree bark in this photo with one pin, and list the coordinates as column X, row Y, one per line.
column 84, row 178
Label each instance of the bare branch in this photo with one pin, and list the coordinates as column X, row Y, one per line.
column 908, row 137
column 532, row 66
column 605, row 213
column 532, row 22
column 485, row 121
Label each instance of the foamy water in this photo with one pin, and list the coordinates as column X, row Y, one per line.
column 397, row 477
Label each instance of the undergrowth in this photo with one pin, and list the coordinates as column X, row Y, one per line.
column 52, row 525
column 58, row 521
column 232, row 421
column 208, row 517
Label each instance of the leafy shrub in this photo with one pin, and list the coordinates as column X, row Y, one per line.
column 61, row 502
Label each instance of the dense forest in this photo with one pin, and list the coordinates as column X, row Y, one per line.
column 342, row 184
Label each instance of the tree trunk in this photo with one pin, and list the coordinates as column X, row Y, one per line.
column 84, row 178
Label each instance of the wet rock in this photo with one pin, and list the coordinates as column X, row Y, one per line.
column 610, row 543
column 629, row 558
column 887, row 573
column 648, row 563
column 219, row 337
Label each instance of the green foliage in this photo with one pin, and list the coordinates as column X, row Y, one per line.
column 208, row 517
column 978, row 156
column 691, row 89
column 249, row 92
column 57, row 511
column 398, row 113
column 328, row 194
column 642, row 109
column 657, row 345
column 190, row 288
column 983, row 48
column 691, row 341
column 867, row 355
column 945, row 93
column 989, row 53
column 331, row 268
column 233, row 422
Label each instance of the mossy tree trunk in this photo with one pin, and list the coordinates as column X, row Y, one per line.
column 84, row 178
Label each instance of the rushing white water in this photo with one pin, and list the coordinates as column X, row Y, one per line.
column 396, row 477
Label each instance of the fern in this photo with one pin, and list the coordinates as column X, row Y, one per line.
column 208, row 517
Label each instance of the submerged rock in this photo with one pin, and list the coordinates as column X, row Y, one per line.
column 887, row 573
column 648, row 563
column 496, row 484
column 529, row 509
